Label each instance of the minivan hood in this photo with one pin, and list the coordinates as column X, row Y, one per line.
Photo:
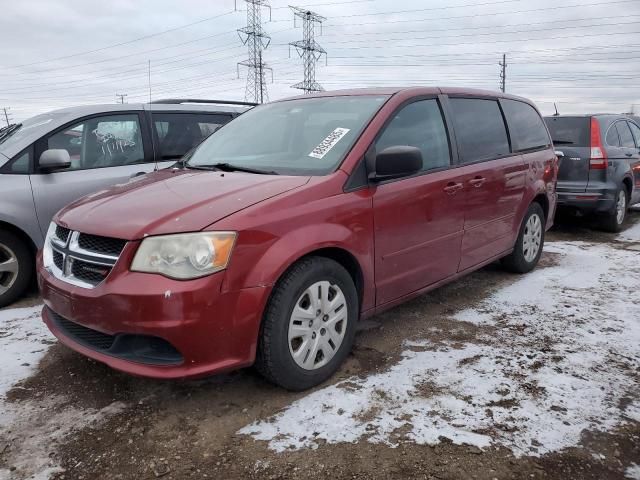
column 171, row 201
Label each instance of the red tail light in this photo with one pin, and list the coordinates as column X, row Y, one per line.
column 598, row 159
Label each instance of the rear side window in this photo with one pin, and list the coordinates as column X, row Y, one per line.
column 613, row 140
column 525, row 126
column 480, row 129
column 574, row 131
column 419, row 125
column 636, row 133
column 626, row 139
column 177, row 133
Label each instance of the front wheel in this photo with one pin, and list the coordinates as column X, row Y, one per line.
column 309, row 324
column 528, row 248
column 16, row 267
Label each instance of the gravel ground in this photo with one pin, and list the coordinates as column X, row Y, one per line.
column 495, row 376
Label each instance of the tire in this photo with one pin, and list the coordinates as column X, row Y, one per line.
column 284, row 358
column 522, row 260
column 614, row 220
column 16, row 267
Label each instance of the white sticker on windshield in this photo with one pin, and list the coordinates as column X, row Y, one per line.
column 328, row 143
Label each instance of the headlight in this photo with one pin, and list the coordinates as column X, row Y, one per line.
column 47, row 253
column 185, row 256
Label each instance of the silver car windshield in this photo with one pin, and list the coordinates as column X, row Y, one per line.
column 308, row 136
column 26, row 128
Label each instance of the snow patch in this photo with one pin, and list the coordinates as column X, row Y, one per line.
column 633, row 472
column 564, row 342
column 631, row 234
column 24, row 339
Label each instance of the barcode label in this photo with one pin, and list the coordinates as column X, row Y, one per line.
column 328, row 143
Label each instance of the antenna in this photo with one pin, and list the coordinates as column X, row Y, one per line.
column 308, row 49
column 149, row 81
column 6, row 115
column 256, row 40
column 556, row 107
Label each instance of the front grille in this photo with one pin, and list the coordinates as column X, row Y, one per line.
column 89, row 272
column 58, row 259
column 83, row 335
column 62, row 233
column 98, row 244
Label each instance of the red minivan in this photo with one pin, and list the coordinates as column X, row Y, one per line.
column 270, row 241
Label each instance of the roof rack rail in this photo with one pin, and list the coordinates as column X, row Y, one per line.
column 178, row 101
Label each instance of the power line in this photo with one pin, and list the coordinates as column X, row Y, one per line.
column 308, row 49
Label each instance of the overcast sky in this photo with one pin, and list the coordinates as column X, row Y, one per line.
column 582, row 54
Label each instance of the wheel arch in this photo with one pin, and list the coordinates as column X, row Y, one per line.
column 628, row 184
column 6, row 226
column 543, row 201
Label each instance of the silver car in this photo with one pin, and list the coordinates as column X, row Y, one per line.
column 52, row 159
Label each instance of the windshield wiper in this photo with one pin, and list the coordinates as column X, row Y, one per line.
column 227, row 167
column 8, row 130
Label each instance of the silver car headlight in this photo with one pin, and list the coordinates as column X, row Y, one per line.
column 185, row 256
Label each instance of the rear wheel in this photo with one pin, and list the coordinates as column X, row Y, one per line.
column 528, row 248
column 614, row 220
column 16, row 267
column 309, row 324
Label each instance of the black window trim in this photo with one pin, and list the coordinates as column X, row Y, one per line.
column 40, row 145
column 504, row 120
column 637, row 139
column 6, row 168
column 356, row 181
column 521, row 151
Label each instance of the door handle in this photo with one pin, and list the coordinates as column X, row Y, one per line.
column 137, row 174
column 629, row 154
column 452, row 188
column 477, row 182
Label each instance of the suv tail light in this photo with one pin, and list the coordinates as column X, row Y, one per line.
column 598, row 160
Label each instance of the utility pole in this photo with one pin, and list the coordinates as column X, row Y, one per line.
column 6, row 115
column 256, row 40
column 121, row 96
column 503, row 73
column 308, row 49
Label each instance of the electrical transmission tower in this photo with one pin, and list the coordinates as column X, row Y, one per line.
column 7, row 115
column 503, row 73
column 121, row 96
column 308, row 49
column 256, row 40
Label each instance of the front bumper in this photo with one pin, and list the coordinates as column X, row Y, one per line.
column 191, row 328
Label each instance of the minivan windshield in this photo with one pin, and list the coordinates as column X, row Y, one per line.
column 24, row 129
column 308, row 136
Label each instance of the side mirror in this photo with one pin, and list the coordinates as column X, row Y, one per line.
column 54, row 159
column 559, row 154
column 397, row 162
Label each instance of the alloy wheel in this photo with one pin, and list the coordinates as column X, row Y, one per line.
column 532, row 238
column 317, row 325
column 8, row 268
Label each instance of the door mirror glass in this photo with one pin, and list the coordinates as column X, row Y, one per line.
column 54, row 159
column 397, row 162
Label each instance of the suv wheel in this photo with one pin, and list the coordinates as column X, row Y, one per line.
column 614, row 220
column 309, row 324
column 16, row 267
column 528, row 248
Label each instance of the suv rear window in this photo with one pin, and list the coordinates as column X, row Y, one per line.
column 480, row 129
column 570, row 130
column 525, row 125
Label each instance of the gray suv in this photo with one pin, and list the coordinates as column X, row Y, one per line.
column 52, row 159
column 600, row 166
